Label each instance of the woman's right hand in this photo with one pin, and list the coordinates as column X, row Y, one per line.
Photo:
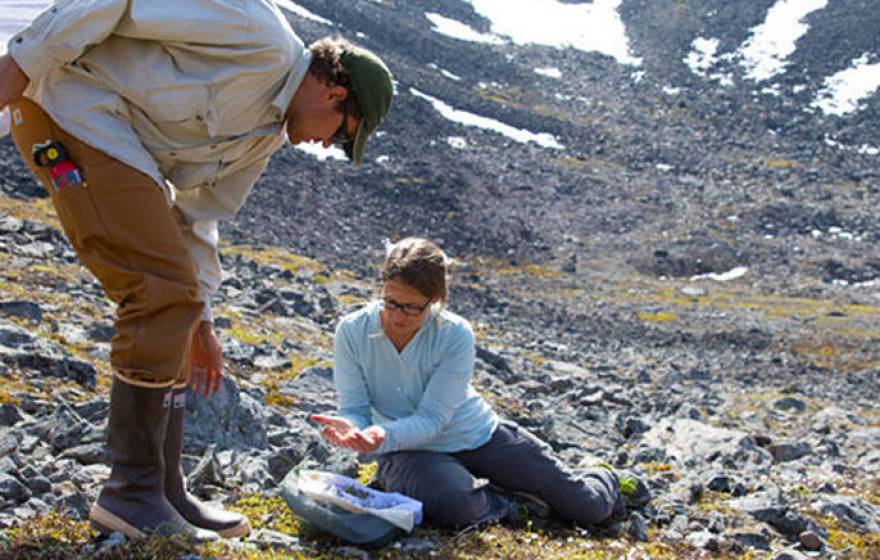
column 341, row 432
column 13, row 81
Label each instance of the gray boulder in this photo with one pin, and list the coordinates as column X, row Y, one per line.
column 771, row 507
column 74, row 503
column 850, row 511
column 229, row 418
column 63, row 429
column 12, row 337
column 313, row 390
column 268, row 539
column 9, row 441
column 704, row 540
column 865, row 438
column 10, row 415
column 87, row 453
column 690, row 439
column 12, row 490
column 811, row 541
column 253, row 473
column 21, row 349
column 790, row 404
column 788, row 555
column 751, row 539
column 22, row 309
column 790, row 451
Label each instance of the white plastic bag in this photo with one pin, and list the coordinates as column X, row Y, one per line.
column 5, row 125
column 351, row 495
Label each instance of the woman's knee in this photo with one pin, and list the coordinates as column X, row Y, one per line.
column 451, row 496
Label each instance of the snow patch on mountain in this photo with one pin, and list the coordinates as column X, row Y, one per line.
column 764, row 54
column 595, row 27
column 703, row 57
column 302, row 12
column 549, row 72
column 543, row 139
column 843, row 91
column 445, row 73
column 317, row 150
column 458, row 30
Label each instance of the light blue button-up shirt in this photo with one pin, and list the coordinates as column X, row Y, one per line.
column 422, row 396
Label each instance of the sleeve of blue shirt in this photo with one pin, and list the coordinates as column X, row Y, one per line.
column 445, row 392
column 351, row 389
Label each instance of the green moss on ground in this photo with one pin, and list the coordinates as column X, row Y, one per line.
column 56, row 537
column 272, row 381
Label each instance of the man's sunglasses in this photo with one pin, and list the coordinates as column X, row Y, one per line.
column 341, row 137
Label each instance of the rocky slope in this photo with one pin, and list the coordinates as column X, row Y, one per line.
column 688, row 289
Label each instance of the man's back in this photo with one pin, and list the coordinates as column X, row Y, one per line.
column 169, row 89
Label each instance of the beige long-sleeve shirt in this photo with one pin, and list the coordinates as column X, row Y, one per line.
column 192, row 93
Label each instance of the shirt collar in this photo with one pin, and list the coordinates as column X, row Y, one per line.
column 376, row 331
column 291, row 84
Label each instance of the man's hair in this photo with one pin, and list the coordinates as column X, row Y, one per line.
column 420, row 264
column 327, row 67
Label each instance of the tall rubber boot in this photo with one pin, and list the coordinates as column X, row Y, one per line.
column 132, row 500
column 224, row 523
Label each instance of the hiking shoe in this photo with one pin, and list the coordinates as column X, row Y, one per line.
column 633, row 489
column 635, row 492
column 521, row 506
column 532, row 505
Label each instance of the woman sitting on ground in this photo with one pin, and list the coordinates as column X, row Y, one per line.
column 402, row 370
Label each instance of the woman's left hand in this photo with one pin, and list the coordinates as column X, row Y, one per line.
column 373, row 438
column 363, row 441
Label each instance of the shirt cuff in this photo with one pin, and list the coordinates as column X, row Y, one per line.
column 205, row 296
column 207, row 313
column 388, row 445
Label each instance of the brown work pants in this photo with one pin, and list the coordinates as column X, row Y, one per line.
column 123, row 230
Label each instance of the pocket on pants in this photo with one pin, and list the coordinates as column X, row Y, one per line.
column 76, row 210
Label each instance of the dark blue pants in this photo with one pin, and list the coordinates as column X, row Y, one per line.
column 452, row 496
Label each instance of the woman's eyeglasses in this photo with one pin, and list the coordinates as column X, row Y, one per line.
column 406, row 309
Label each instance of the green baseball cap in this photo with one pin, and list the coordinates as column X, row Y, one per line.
column 371, row 81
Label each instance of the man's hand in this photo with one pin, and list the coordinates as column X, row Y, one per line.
column 341, row 432
column 205, row 360
column 12, row 81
